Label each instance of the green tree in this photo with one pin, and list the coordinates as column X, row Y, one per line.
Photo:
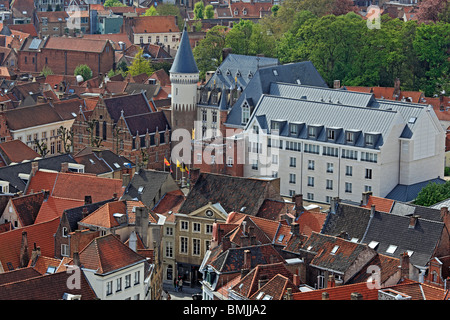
column 46, row 71
column 84, row 71
column 167, row 9
column 199, row 10
column 150, row 12
column 113, row 3
column 140, row 65
column 209, row 12
column 275, row 9
column 239, row 37
column 433, row 193
column 66, row 136
column 208, row 52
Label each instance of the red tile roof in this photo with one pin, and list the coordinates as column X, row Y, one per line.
column 339, row 293
column 381, row 204
column 76, row 44
column 106, row 254
column 155, row 24
column 75, row 185
column 54, row 207
column 41, row 234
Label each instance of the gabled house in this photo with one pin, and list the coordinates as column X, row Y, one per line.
column 15, row 151
column 113, row 270
column 23, row 210
column 149, row 186
column 127, row 125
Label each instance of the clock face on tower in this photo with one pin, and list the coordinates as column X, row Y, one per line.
column 209, row 213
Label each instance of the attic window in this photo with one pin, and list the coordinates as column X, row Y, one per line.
column 92, row 161
column 391, row 249
column 116, row 165
column 412, row 120
column 373, row 244
column 74, row 114
column 354, row 240
column 275, row 72
column 333, row 251
column 410, row 252
column 141, row 189
column 51, row 269
column 260, row 295
column 309, row 248
column 281, row 237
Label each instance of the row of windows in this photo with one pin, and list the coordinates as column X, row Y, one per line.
column 157, row 38
column 348, row 189
column 184, row 247
column 348, row 172
column 326, row 151
column 196, row 227
column 118, row 283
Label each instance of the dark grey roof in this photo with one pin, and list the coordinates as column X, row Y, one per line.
column 391, row 229
column 407, row 209
column 184, row 61
column 343, row 221
column 74, row 215
column 131, row 105
column 11, row 173
column 407, row 193
column 301, row 72
column 151, row 122
column 145, row 186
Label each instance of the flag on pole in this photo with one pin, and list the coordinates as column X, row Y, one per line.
column 182, row 167
column 167, row 163
column 178, row 164
column 193, row 134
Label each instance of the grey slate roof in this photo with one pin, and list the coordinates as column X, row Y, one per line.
column 391, row 229
column 301, row 72
column 184, row 61
column 11, row 173
column 151, row 181
column 343, row 221
column 407, row 209
column 74, row 215
column 329, row 115
column 407, row 193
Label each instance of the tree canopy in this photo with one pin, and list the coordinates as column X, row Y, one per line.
column 84, row 71
column 140, row 65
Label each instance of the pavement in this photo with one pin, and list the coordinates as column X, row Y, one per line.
column 185, row 294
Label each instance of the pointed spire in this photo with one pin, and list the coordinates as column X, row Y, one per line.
column 184, row 61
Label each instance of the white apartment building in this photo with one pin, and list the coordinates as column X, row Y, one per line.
column 326, row 143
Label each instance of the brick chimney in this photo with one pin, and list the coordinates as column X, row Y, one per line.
column 84, row 213
column 365, row 197
column 336, row 84
column 34, row 168
column 24, row 257
column 87, row 200
column 325, row 296
column 141, row 223
column 247, row 259
column 334, row 203
column 125, row 179
column 331, row 281
column 35, row 254
column 356, row 296
column 65, row 167
column 295, row 228
column 76, row 259
column 297, row 199
column 296, row 280
column 404, row 265
column 413, row 221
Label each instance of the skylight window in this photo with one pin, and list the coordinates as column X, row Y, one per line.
column 275, row 72
column 410, row 252
column 333, row 251
column 51, row 269
column 309, row 248
column 391, row 249
column 354, row 240
column 373, row 244
column 260, row 295
column 281, row 237
column 412, row 120
column 116, row 165
column 141, row 189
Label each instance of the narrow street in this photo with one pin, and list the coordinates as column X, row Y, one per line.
column 185, row 294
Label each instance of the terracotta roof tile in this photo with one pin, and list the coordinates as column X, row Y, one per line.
column 27, row 207
column 155, row 24
column 106, row 254
column 75, row 44
column 41, row 234
column 54, row 207
column 275, row 289
column 381, row 204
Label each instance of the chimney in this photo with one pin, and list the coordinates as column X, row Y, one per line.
column 132, row 241
column 397, row 88
column 297, row 199
column 247, row 260
column 413, row 221
column 404, row 265
column 296, row 280
column 372, row 210
column 365, row 198
column 226, row 52
column 35, row 254
column 289, row 294
column 325, row 296
column 295, row 228
column 76, row 259
column 65, row 167
column 34, row 168
column 84, row 213
column 336, row 84
column 445, row 217
column 24, row 258
column 331, row 281
column 125, row 179
column 87, row 200
column 356, row 296
column 141, row 224
column 334, row 203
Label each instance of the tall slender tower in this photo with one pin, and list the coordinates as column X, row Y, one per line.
column 184, row 76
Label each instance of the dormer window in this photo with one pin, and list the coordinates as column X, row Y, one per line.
column 369, row 139
column 331, row 134
column 245, row 112
column 293, row 129
column 350, row 137
column 244, row 12
column 236, row 12
column 312, row 132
